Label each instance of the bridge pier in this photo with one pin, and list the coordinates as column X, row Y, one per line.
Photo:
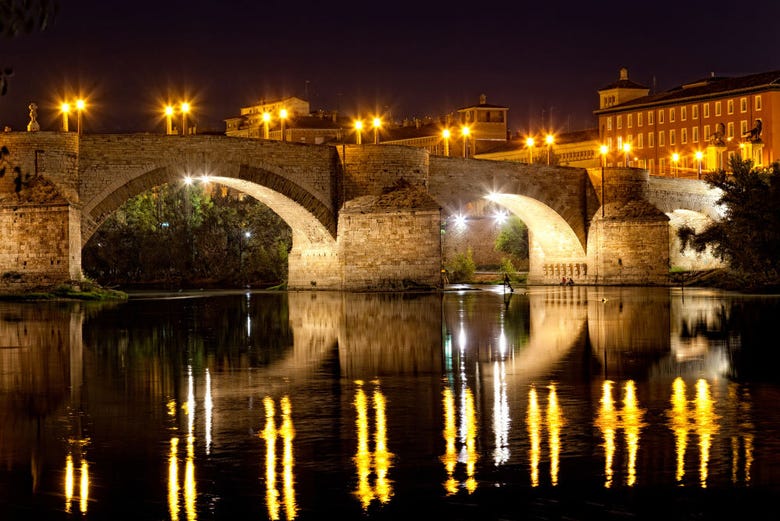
column 628, row 240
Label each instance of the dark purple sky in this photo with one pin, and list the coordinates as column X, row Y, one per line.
column 544, row 60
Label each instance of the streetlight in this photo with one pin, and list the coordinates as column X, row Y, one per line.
column 465, row 131
column 529, row 142
column 550, row 139
column 446, row 135
column 377, row 124
column 358, row 129
column 266, row 122
column 168, row 120
column 603, row 149
column 80, row 106
column 282, row 118
column 185, row 108
column 626, row 150
column 699, row 157
column 65, row 109
column 675, row 159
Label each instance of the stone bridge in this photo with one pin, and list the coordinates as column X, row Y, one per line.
column 362, row 216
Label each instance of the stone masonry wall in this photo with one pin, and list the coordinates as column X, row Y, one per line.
column 371, row 169
column 38, row 248
column 390, row 250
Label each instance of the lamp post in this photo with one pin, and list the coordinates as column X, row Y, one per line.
column 627, row 151
column 283, row 118
column 675, row 160
column 358, row 130
column 168, row 120
column 604, row 149
column 80, row 106
column 465, row 132
column 446, row 135
column 185, row 109
column 377, row 123
column 550, row 139
column 266, row 122
column 65, row 109
column 529, row 142
column 699, row 157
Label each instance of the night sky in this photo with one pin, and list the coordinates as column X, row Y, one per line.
column 543, row 60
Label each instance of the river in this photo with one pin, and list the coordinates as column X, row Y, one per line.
column 474, row 403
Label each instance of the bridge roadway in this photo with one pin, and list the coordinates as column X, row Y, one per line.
column 345, row 204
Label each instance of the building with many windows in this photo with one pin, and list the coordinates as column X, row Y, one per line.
column 695, row 127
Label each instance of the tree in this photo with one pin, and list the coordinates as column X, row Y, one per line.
column 748, row 235
column 513, row 239
column 23, row 16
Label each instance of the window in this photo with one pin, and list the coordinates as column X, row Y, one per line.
column 639, row 141
column 629, row 120
column 706, row 132
column 609, row 143
column 683, row 135
column 730, row 106
column 651, row 165
column 717, row 108
column 630, row 139
column 661, row 139
column 609, row 123
column 683, row 113
column 695, row 134
column 743, row 127
column 672, row 138
column 758, row 102
column 706, row 110
column 671, row 115
column 650, row 139
column 730, row 130
column 638, row 119
column 620, row 142
column 650, row 120
column 661, row 117
column 619, row 121
column 743, row 104
column 695, row 112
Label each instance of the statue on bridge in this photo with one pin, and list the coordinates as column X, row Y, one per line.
column 754, row 134
column 33, row 125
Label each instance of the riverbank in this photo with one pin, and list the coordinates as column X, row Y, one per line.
column 85, row 290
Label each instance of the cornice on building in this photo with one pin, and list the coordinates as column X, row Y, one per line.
column 701, row 90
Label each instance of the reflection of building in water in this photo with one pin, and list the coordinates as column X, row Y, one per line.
column 380, row 460
column 629, row 418
column 270, row 434
column 381, row 335
column 535, row 422
column 465, row 436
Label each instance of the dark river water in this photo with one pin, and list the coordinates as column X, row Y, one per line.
column 546, row 403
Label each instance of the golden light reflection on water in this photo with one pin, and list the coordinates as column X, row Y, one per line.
column 270, row 434
column 742, row 400
column 700, row 418
column 609, row 420
column 554, row 424
column 535, row 422
column 380, row 460
column 189, row 485
column 468, row 435
column 70, row 480
column 706, row 426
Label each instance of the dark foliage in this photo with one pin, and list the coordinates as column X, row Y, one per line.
column 748, row 235
column 189, row 237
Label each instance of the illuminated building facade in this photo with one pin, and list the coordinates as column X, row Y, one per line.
column 695, row 127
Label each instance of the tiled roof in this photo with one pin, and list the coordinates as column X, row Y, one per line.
column 705, row 88
column 483, row 106
column 623, row 84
